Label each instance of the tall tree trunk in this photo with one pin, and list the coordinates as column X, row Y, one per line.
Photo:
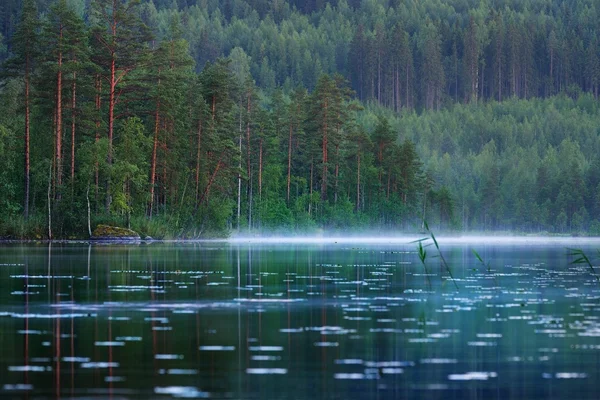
column 289, row 171
column 311, row 187
column 379, row 76
column 424, row 210
column 50, row 203
column 27, row 136
column 111, row 103
column 406, row 87
column 250, row 205
column 59, row 123
column 73, row 114
column 552, row 65
column 481, row 87
column 98, row 107
column 198, row 149
column 111, row 122
column 164, row 174
column 358, row 182
column 325, row 142
column 248, row 165
column 398, row 100
column 213, row 108
column 388, row 183
column 239, row 194
column 337, row 170
column 153, row 161
column 380, row 169
column 499, row 79
column 210, row 182
column 260, row 168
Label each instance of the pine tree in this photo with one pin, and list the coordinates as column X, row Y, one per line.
column 329, row 102
column 433, row 78
column 170, row 70
column 471, row 63
column 402, row 60
column 25, row 49
column 498, row 55
column 222, row 152
column 382, row 137
column 296, row 116
column 64, row 40
column 360, row 144
column 592, row 66
column 120, row 40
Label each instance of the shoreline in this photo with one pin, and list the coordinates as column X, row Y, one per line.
column 408, row 239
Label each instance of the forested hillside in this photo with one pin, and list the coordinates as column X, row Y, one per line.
column 195, row 118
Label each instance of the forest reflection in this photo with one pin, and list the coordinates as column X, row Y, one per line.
column 228, row 320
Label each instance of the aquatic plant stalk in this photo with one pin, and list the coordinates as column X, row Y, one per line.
column 582, row 258
column 423, row 257
column 437, row 246
column 487, row 265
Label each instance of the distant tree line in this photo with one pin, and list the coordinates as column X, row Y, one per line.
column 419, row 54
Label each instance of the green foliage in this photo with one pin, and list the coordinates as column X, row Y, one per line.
column 129, row 172
column 187, row 134
column 422, row 252
column 17, row 227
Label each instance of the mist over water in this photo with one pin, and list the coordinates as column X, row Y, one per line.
column 410, row 239
column 308, row 318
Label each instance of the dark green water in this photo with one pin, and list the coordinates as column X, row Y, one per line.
column 304, row 321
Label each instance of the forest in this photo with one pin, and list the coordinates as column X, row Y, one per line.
column 206, row 118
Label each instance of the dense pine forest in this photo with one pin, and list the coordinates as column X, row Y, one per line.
column 202, row 118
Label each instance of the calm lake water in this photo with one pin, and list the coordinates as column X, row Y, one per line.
column 304, row 321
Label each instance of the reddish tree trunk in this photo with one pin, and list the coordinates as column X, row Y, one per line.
column 73, row 112
column 380, row 159
column 164, row 173
column 388, row 183
column 337, row 170
column 111, row 120
column 198, row 149
column 98, row 106
column 214, row 107
column 311, row 187
column 358, row 183
column 210, row 182
column 325, row 142
column 249, row 108
column 111, row 101
column 59, row 122
column 260, row 167
column 27, row 135
column 153, row 161
column 248, row 147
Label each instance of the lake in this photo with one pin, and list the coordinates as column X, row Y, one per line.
column 333, row 320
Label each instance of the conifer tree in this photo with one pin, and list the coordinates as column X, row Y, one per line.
column 170, row 70
column 64, row 41
column 25, row 49
column 432, row 71
column 120, row 40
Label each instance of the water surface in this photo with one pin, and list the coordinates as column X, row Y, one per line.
column 297, row 320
